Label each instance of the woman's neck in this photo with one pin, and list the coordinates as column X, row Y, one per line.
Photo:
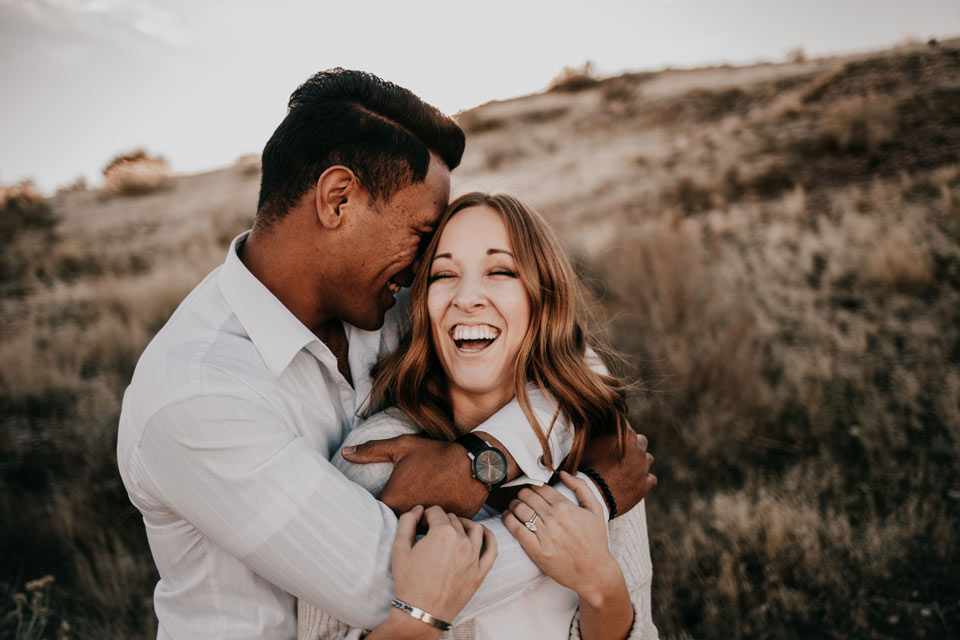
column 472, row 409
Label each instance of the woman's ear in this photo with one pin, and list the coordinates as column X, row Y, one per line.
column 333, row 187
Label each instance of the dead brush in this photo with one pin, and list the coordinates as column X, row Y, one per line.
column 897, row 263
column 694, row 340
column 23, row 207
column 136, row 173
column 858, row 124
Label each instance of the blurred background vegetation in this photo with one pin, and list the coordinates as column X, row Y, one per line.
column 776, row 250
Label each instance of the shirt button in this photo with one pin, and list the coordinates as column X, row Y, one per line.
column 541, row 462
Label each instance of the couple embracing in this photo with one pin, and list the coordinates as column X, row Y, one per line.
column 299, row 380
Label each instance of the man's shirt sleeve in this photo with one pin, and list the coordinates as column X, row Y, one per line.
column 232, row 468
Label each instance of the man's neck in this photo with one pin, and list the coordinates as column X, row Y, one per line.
column 278, row 265
column 274, row 261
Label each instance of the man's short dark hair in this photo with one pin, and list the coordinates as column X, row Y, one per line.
column 382, row 132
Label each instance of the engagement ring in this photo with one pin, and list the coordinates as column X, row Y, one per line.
column 529, row 524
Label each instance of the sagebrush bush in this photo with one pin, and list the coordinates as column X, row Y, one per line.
column 858, row 124
column 23, row 207
column 573, row 79
column 136, row 173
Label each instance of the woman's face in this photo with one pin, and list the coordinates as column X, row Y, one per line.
column 478, row 307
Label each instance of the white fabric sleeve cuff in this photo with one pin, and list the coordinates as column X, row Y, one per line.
column 511, row 428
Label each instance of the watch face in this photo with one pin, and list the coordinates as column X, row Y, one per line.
column 490, row 466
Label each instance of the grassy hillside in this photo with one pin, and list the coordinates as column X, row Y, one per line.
column 776, row 250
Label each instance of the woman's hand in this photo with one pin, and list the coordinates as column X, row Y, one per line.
column 569, row 544
column 440, row 572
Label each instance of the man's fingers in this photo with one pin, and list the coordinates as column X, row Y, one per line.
column 407, row 528
column 376, row 451
column 580, row 489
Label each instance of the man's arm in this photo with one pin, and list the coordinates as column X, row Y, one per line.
column 439, row 472
column 234, row 470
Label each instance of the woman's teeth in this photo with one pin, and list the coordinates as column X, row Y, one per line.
column 474, row 337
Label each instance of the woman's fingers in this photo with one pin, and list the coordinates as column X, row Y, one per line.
column 435, row 517
column 474, row 531
column 550, row 495
column 584, row 495
column 526, row 538
column 489, row 553
column 407, row 528
column 535, row 500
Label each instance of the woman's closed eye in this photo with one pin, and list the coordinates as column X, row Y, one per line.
column 440, row 275
column 503, row 271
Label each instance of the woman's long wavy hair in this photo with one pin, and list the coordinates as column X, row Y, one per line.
column 552, row 354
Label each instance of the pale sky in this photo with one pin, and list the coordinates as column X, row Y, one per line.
column 205, row 81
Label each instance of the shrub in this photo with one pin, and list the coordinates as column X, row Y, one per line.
column 897, row 263
column 249, row 164
column 573, row 79
column 136, row 173
column 23, row 207
column 858, row 124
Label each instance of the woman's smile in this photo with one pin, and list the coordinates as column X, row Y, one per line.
column 473, row 338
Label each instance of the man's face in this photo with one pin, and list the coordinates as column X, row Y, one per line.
column 384, row 243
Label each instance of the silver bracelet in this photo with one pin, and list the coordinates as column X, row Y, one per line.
column 421, row 615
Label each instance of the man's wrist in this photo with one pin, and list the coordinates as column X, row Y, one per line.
column 513, row 469
column 401, row 626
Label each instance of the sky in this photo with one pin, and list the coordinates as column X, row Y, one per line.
column 203, row 82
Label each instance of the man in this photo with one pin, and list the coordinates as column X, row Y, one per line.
column 238, row 402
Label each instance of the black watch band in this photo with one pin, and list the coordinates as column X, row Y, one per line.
column 488, row 464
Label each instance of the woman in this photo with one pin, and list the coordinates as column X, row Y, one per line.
column 495, row 308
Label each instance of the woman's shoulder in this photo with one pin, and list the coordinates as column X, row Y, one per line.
column 389, row 423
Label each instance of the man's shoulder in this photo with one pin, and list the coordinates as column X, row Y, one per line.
column 201, row 350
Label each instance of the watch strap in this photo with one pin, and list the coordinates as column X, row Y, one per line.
column 474, row 444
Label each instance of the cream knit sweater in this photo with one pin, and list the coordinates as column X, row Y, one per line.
column 627, row 534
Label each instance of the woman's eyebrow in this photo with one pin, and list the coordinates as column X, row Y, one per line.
column 491, row 251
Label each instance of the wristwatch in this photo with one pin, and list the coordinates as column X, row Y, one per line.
column 489, row 463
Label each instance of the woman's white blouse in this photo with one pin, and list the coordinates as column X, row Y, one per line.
column 546, row 610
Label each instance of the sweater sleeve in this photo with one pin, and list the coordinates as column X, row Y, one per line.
column 631, row 548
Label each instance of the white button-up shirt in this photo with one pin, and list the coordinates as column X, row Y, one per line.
column 224, row 443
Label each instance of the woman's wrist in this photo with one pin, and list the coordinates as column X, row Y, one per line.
column 607, row 586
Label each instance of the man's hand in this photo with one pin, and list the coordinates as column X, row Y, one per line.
column 425, row 471
column 630, row 479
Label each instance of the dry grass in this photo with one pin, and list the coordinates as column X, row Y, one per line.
column 859, row 123
column 778, row 251
column 136, row 173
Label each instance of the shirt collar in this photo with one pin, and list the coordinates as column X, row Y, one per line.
column 276, row 333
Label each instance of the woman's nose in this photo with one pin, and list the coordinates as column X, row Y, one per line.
column 469, row 295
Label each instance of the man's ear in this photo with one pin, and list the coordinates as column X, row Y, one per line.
column 334, row 186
